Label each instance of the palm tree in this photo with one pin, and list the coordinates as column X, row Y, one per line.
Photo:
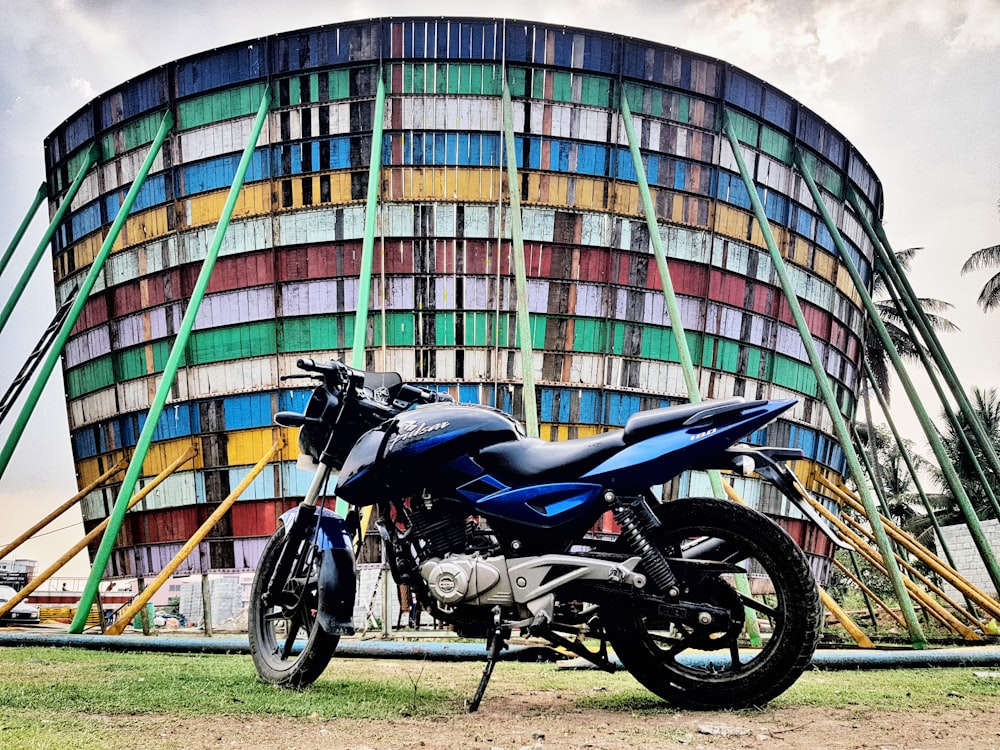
column 986, row 405
column 988, row 257
column 890, row 316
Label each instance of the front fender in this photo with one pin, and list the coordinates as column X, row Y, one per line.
column 337, row 582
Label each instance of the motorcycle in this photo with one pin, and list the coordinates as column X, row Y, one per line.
column 492, row 531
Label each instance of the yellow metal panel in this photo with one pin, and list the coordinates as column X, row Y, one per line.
column 164, row 453
column 89, row 470
column 824, row 265
column 245, row 447
column 142, row 227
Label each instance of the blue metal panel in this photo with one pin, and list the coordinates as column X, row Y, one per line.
column 744, row 92
column 600, row 53
column 294, row 399
column 86, row 220
column 214, row 174
column 243, row 62
column 244, row 412
column 174, row 422
column 80, row 129
column 468, row 394
column 620, row 407
column 84, row 443
column 778, row 109
column 516, row 38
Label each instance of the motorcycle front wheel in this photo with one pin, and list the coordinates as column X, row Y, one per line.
column 713, row 665
column 288, row 646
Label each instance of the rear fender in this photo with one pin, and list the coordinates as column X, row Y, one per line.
column 337, row 581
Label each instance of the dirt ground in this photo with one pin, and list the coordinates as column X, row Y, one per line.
column 513, row 725
column 523, row 718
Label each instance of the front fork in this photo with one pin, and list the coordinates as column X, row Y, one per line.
column 327, row 533
column 296, row 534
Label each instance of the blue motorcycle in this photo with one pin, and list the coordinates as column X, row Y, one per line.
column 492, row 531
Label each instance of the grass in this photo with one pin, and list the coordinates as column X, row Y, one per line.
column 53, row 697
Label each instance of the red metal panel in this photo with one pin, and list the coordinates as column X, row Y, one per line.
column 480, row 257
column 727, row 287
column 241, row 271
column 94, row 312
column 594, row 263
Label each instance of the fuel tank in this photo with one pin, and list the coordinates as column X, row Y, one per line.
column 422, row 448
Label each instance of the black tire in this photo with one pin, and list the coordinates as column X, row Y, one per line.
column 280, row 655
column 652, row 646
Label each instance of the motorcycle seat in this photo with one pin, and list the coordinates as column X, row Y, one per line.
column 645, row 424
column 539, row 461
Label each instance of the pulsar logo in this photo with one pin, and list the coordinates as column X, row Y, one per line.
column 704, row 434
column 410, row 430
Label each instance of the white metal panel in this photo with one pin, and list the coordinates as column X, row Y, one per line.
column 586, row 368
column 538, row 224
column 590, row 300
column 94, row 407
column 238, row 306
column 476, row 363
column 176, row 491
column 444, row 361
column 538, row 295
column 444, row 292
column 242, row 376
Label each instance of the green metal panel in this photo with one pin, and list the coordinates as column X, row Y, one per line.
column 444, row 329
column 294, row 90
column 776, row 144
column 562, row 86
column 89, row 377
column 746, row 129
column 133, row 135
column 130, row 363
column 589, row 335
column 221, row 105
column 517, row 79
column 617, row 338
column 595, row 91
column 232, row 342
column 398, row 330
column 476, row 329
column 316, row 333
column 340, row 84
column 314, row 87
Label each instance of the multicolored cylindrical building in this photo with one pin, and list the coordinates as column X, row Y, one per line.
column 443, row 299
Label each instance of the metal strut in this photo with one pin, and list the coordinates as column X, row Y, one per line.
column 497, row 642
column 31, row 363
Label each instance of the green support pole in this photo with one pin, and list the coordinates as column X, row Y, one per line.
column 368, row 243
column 167, row 379
column 933, row 438
column 90, row 159
column 40, row 195
column 520, row 273
column 897, row 278
column 949, row 413
column 911, row 469
column 677, row 327
column 81, row 298
column 826, row 390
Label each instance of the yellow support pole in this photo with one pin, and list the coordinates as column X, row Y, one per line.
column 94, row 533
column 936, row 564
column 935, row 609
column 931, row 586
column 871, row 594
column 140, row 601
column 63, row 508
column 845, row 619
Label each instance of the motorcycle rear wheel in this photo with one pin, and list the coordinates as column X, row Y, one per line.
column 712, row 667
column 288, row 646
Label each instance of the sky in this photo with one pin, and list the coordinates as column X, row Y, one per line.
column 914, row 85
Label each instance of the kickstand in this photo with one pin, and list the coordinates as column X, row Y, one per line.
column 496, row 643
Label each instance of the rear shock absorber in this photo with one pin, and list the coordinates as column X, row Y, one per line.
column 627, row 512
